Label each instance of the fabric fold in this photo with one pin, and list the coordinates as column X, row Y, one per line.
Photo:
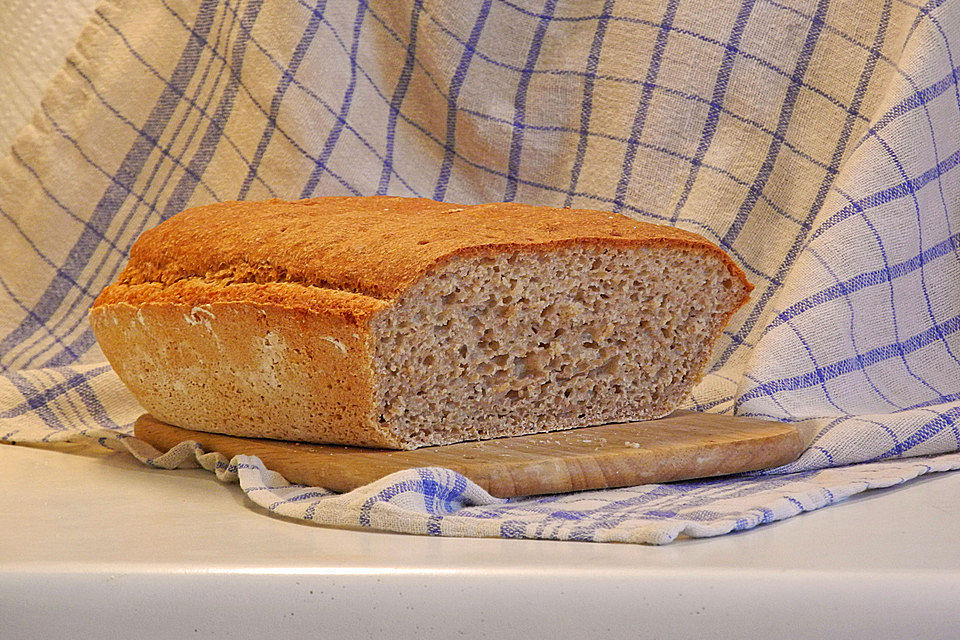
column 816, row 142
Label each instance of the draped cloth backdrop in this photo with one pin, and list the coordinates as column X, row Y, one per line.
column 816, row 141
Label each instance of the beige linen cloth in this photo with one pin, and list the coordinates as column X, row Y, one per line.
column 816, row 141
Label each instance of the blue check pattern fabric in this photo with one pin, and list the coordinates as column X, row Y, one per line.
column 816, row 141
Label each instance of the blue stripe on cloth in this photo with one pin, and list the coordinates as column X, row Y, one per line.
column 428, row 490
column 926, row 11
column 826, row 454
column 286, row 79
column 749, row 56
column 561, row 129
column 321, row 162
column 640, row 117
column 716, row 104
column 175, row 202
column 612, row 513
column 75, row 349
column 512, row 529
column 298, row 497
column 888, row 195
column 949, row 397
column 783, row 411
column 311, row 511
column 79, row 383
column 546, row 187
column 399, row 93
column 586, row 107
column 112, row 178
column 848, row 38
column 816, row 366
column 342, row 121
column 439, row 498
column 932, row 428
column 918, row 98
column 39, row 401
column 30, row 243
column 801, row 241
column 692, row 495
column 631, row 81
column 786, row 116
column 520, row 101
column 47, row 332
column 103, row 238
column 852, row 364
column 253, row 99
column 40, row 405
column 384, row 495
column 147, row 139
column 916, row 203
column 923, row 285
column 105, row 211
column 853, row 332
column 844, row 288
column 456, row 84
column 174, row 137
column 87, row 339
column 923, row 11
column 880, row 426
column 64, row 405
column 190, row 99
column 462, row 158
column 746, row 55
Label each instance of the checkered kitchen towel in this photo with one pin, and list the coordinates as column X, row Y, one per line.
column 817, row 141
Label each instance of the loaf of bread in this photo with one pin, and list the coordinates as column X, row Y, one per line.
column 402, row 322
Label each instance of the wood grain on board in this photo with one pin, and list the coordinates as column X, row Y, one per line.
column 682, row 446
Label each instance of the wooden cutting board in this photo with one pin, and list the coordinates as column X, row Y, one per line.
column 682, row 446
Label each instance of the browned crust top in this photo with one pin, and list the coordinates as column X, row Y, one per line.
column 351, row 308
column 376, row 246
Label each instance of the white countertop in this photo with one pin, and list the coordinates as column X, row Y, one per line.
column 97, row 545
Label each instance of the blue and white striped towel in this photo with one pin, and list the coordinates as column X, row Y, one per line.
column 817, row 141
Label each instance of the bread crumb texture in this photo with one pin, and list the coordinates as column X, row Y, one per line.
column 402, row 322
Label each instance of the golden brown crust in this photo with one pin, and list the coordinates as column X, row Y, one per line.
column 245, row 369
column 352, row 308
column 376, row 246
